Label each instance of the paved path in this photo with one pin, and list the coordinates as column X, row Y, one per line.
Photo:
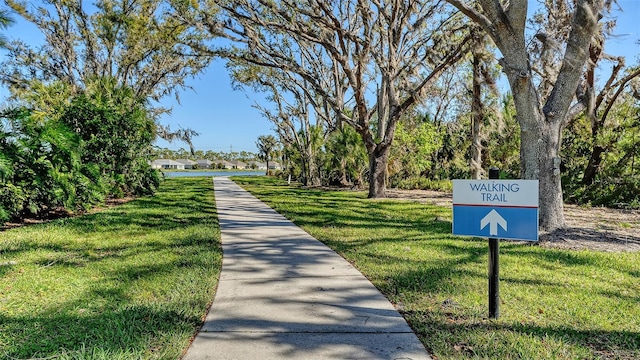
column 284, row 295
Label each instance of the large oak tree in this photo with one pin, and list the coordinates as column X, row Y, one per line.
column 388, row 52
column 541, row 111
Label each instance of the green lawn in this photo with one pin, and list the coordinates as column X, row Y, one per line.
column 555, row 304
column 130, row 282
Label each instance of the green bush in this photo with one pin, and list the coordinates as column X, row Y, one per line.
column 116, row 131
column 609, row 193
column 73, row 158
column 419, row 183
column 146, row 180
column 11, row 202
column 90, row 187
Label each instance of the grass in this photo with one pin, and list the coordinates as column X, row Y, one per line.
column 555, row 304
column 130, row 282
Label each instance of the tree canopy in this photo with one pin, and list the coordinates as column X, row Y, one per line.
column 5, row 22
column 143, row 44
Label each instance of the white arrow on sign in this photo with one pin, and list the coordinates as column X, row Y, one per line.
column 493, row 219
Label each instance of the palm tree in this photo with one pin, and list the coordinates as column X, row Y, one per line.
column 266, row 145
column 5, row 22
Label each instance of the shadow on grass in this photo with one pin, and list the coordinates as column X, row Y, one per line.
column 312, row 208
column 590, row 236
column 167, row 210
column 347, row 210
column 136, row 279
column 5, row 268
column 451, row 268
column 609, row 344
column 114, row 332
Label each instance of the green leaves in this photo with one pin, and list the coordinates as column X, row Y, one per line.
column 411, row 153
column 74, row 154
column 266, row 146
column 117, row 133
column 150, row 46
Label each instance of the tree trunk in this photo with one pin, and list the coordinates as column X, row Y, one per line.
column 378, row 160
column 304, row 169
column 551, row 202
column 539, row 160
column 314, row 174
column 343, row 173
column 539, row 147
column 475, row 163
column 593, row 166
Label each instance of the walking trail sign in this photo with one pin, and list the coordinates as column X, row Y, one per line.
column 506, row 209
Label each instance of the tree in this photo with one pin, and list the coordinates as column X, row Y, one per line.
column 294, row 103
column 5, row 22
column 481, row 109
column 596, row 105
column 145, row 45
column 387, row 51
column 541, row 111
column 266, row 144
column 117, row 133
column 185, row 135
column 616, row 181
column 411, row 153
column 347, row 157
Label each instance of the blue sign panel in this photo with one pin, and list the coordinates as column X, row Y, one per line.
column 516, row 223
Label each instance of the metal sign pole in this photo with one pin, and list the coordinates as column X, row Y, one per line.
column 494, row 266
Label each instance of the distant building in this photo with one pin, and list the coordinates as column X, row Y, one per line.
column 167, row 164
column 222, row 164
column 257, row 165
column 205, row 164
column 237, row 164
column 188, row 164
column 273, row 165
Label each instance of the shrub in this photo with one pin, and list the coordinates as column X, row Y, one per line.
column 610, row 193
column 11, row 202
column 419, row 183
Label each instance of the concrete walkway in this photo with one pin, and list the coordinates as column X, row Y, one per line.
column 284, row 295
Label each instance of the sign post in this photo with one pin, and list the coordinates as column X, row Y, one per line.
column 495, row 209
column 494, row 261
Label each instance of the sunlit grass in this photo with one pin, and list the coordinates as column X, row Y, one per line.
column 555, row 304
column 130, row 282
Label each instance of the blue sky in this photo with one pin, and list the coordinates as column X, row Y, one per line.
column 226, row 119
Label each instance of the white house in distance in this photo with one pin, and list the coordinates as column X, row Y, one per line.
column 273, row 165
column 222, row 164
column 167, row 164
column 188, row 164
column 257, row 165
column 237, row 164
column 205, row 164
